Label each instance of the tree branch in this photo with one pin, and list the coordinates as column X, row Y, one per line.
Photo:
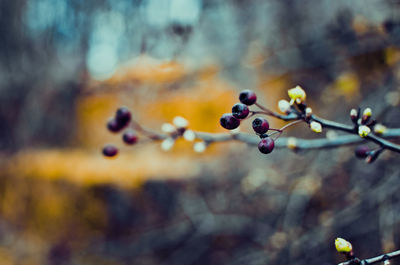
column 380, row 258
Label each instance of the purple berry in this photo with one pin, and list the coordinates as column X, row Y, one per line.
column 266, row 145
column 240, row 111
column 123, row 116
column 229, row 122
column 362, row 151
column 130, row 137
column 110, row 150
column 247, row 97
column 260, row 125
column 113, row 125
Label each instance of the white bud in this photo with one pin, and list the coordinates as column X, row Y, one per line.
column 199, row 147
column 380, row 129
column 189, row 135
column 168, row 128
column 180, row 122
column 292, row 143
column 353, row 113
column 167, row 144
column 308, row 112
column 363, row 130
column 284, row 106
column 316, row 126
column 367, row 112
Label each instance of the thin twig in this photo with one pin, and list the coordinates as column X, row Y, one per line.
column 380, row 258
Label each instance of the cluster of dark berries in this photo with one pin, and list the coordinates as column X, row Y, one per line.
column 241, row 111
column 116, row 124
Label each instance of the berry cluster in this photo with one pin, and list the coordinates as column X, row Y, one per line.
column 295, row 110
column 241, row 111
column 116, row 124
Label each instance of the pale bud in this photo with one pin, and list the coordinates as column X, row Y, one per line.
column 353, row 115
column 180, row 122
column 363, row 130
column 366, row 115
column 292, row 143
column 342, row 245
column 189, row 135
column 308, row 112
column 297, row 93
column 379, row 128
column 168, row 128
column 167, row 144
column 284, row 106
column 199, row 147
column 316, row 126
column 367, row 112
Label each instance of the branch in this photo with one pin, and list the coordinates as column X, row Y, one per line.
column 380, row 258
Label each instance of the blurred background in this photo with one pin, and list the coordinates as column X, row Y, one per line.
column 67, row 65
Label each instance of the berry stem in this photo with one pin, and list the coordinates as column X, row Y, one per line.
column 280, row 131
column 289, row 117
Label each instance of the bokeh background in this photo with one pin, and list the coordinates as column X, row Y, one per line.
column 67, row 65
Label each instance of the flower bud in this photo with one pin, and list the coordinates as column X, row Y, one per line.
column 189, row 135
column 199, row 147
column 308, row 112
column 380, row 129
column 168, row 128
column 343, row 246
column 167, row 144
column 366, row 115
column 354, row 115
column 284, row 106
column 180, row 122
column 292, row 143
column 316, row 126
column 367, row 112
column 297, row 94
column 363, row 130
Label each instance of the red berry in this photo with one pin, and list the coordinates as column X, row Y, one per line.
column 229, row 122
column 113, row 125
column 247, row 97
column 130, row 137
column 362, row 151
column 260, row 125
column 110, row 150
column 240, row 111
column 123, row 116
column 266, row 145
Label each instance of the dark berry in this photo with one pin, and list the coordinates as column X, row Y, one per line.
column 260, row 125
column 229, row 122
column 240, row 111
column 247, row 97
column 123, row 116
column 266, row 145
column 362, row 151
column 113, row 125
column 110, row 150
column 130, row 137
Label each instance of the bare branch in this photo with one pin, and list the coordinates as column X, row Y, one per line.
column 377, row 259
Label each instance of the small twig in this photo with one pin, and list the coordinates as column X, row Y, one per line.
column 380, row 258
